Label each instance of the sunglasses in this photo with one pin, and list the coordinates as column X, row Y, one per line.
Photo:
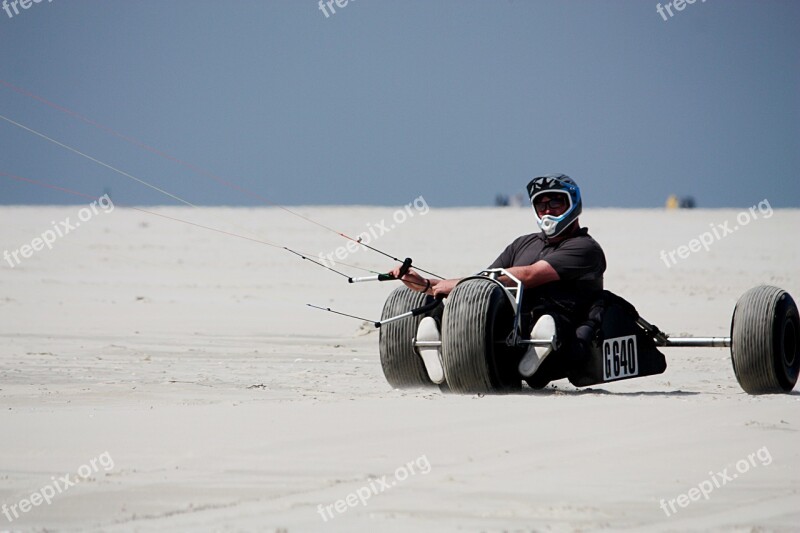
column 553, row 203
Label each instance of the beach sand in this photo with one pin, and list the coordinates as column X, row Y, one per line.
column 181, row 370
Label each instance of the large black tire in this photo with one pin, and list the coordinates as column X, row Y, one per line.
column 477, row 317
column 402, row 365
column 765, row 341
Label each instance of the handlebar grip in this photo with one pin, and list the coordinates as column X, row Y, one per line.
column 403, row 271
column 405, row 267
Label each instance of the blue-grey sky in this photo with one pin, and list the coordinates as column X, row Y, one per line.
column 386, row 100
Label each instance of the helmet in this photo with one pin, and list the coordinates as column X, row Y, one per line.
column 552, row 184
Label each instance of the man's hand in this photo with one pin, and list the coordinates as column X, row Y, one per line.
column 412, row 280
column 444, row 287
column 415, row 282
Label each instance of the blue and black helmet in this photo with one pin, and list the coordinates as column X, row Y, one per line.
column 556, row 184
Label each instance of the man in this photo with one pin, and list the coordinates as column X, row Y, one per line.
column 561, row 268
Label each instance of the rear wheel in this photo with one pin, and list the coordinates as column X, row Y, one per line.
column 765, row 339
column 401, row 363
column 477, row 319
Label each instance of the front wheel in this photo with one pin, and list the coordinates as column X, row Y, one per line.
column 400, row 361
column 477, row 320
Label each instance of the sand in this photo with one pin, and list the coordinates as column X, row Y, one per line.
column 180, row 370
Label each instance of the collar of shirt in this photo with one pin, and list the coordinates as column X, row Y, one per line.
column 582, row 232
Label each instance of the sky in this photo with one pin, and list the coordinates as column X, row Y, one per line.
column 277, row 102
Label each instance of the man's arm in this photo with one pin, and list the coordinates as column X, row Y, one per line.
column 539, row 273
column 531, row 276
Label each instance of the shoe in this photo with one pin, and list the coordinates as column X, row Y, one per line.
column 428, row 330
column 544, row 329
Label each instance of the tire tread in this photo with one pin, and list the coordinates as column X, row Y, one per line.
column 465, row 337
column 402, row 366
column 752, row 340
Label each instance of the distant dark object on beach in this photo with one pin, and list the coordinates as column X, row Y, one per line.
column 501, row 200
column 685, row 202
column 504, row 200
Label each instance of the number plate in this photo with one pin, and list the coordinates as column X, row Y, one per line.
column 620, row 358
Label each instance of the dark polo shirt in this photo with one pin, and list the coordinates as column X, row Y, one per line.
column 579, row 260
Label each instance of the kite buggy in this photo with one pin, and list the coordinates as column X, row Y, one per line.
column 487, row 337
column 482, row 342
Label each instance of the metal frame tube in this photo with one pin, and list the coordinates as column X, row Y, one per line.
column 527, row 342
column 427, row 344
column 696, row 342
